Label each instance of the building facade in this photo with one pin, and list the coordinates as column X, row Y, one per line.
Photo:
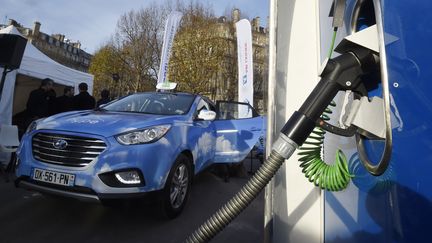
column 56, row 46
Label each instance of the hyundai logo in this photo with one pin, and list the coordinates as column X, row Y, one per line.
column 60, row 144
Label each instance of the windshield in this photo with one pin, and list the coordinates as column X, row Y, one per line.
column 153, row 103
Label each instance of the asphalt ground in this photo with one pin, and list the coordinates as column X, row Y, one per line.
column 27, row 216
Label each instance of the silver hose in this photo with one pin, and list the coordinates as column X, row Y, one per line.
column 216, row 223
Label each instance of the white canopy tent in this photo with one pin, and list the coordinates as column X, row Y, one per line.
column 35, row 66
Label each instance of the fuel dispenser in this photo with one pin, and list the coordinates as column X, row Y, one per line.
column 370, row 54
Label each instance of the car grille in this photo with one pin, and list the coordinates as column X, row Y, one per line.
column 66, row 150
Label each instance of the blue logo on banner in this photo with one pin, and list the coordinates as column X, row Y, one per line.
column 244, row 79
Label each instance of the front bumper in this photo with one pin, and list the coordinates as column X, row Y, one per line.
column 81, row 193
column 153, row 169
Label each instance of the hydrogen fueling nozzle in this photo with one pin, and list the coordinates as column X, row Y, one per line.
column 341, row 73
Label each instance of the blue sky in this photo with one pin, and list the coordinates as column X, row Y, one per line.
column 93, row 21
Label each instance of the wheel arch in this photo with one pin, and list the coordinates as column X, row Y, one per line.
column 189, row 154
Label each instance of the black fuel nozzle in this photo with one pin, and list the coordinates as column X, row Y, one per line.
column 343, row 72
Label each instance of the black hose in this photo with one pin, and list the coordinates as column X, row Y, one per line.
column 239, row 202
column 348, row 66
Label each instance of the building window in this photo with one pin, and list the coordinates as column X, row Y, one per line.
column 50, row 40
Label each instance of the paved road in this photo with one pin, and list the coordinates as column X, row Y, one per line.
column 31, row 217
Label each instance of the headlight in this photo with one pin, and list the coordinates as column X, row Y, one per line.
column 31, row 127
column 147, row 135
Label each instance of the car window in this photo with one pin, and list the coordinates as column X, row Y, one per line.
column 234, row 110
column 210, row 104
column 153, row 103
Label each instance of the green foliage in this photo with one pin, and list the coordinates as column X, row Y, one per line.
column 203, row 58
column 198, row 52
column 104, row 64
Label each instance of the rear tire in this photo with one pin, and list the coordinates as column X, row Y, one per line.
column 177, row 187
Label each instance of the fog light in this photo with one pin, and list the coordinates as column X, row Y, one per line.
column 128, row 177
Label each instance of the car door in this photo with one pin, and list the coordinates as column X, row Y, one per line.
column 202, row 136
column 238, row 128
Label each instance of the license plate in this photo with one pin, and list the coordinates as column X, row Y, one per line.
column 53, row 177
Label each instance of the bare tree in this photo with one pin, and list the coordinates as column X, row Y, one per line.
column 136, row 45
column 138, row 40
column 203, row 59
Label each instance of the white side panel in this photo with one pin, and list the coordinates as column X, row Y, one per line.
column 7, row 97
column 6, row 107
column 297, row 204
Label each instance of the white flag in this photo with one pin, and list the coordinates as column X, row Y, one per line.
column 171, row 26
column 245, row 66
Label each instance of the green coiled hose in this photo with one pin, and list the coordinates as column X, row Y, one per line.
column 335, row 177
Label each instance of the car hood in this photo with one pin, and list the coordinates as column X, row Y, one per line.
column 103, row 122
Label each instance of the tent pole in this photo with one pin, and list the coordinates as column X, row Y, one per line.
column 3, row 78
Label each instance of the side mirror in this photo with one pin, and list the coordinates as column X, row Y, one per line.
column 207, row 115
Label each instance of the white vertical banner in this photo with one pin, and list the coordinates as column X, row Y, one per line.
column 245, row 66
column 171, row 26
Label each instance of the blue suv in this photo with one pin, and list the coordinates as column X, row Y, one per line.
column 138, row 145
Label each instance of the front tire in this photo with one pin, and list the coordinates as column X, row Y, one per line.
column 177, row 187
